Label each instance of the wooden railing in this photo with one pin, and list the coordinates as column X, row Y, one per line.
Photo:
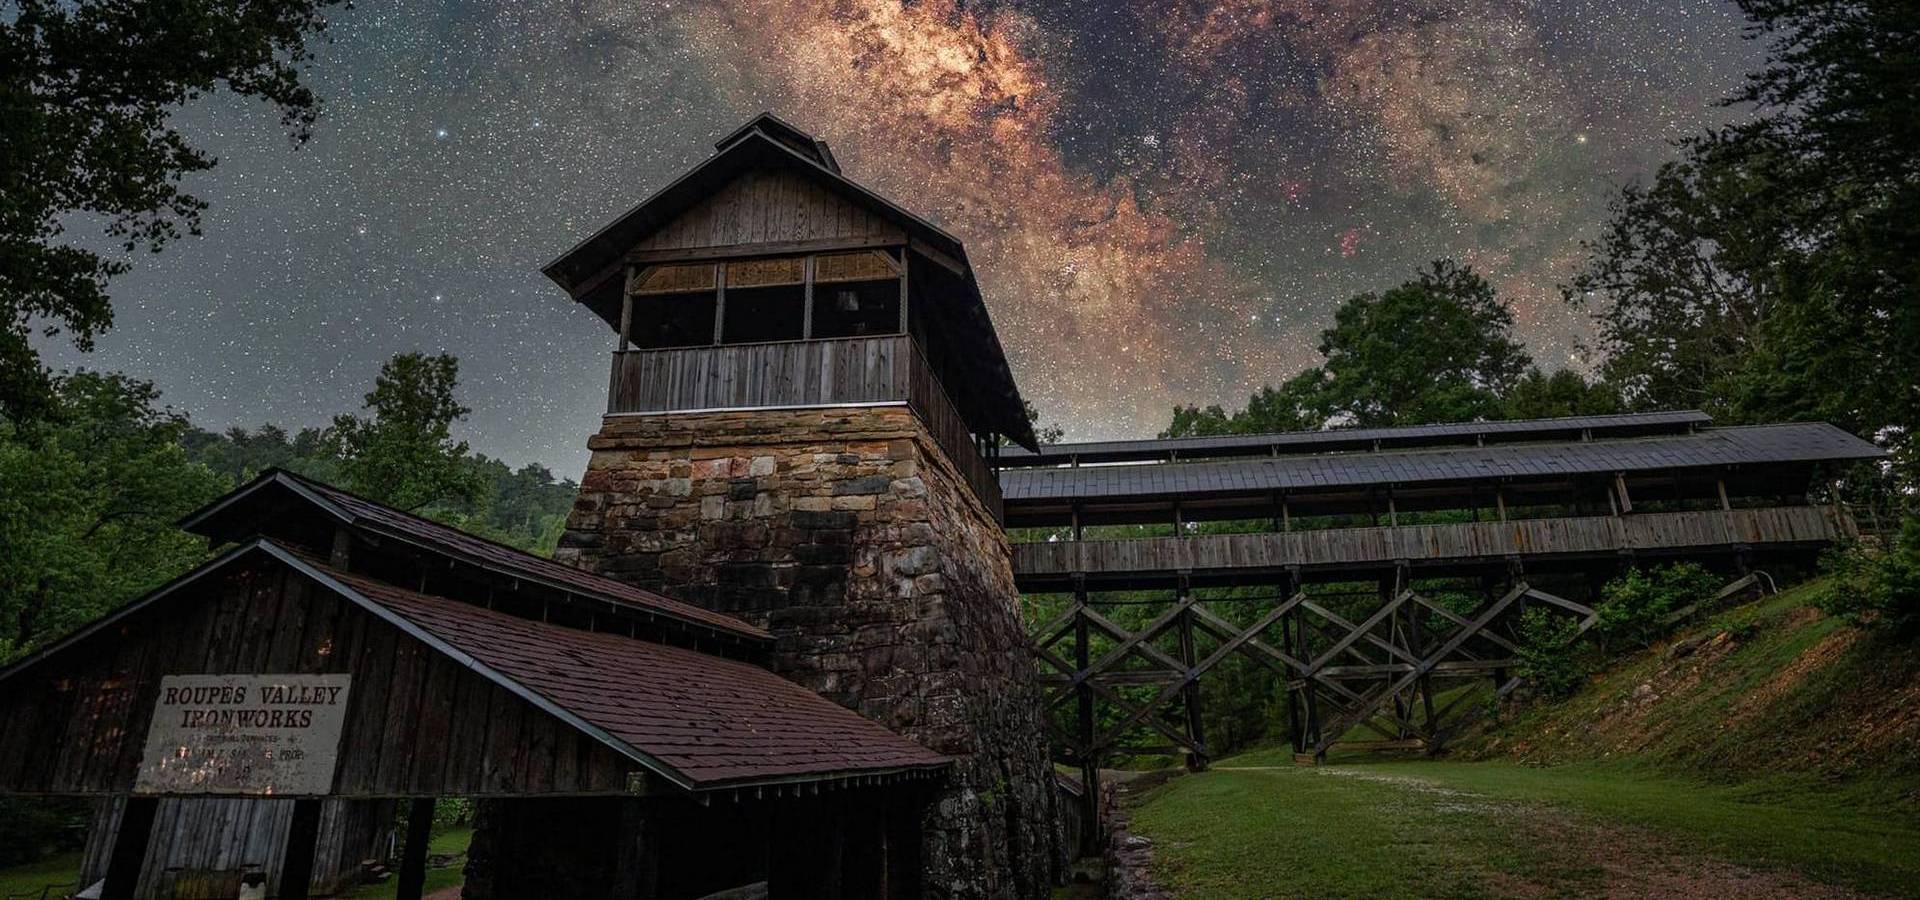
column 943, row 421
column 1465, row 541
column 845, row 371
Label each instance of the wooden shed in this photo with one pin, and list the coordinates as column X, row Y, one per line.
column 341, row 650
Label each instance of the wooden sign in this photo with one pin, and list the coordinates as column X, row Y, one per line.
column 244, row 734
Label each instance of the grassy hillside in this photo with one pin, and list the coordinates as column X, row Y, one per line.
column 1768, row 751
column 1772, row 695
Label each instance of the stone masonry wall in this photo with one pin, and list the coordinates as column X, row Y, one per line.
column 849, row 535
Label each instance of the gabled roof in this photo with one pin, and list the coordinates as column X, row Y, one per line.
column 702, row 722
column 781, row 130
column 1336, row 439
column 698, row 722
column 768, row 142
column 236, row 515
column 1800, row 443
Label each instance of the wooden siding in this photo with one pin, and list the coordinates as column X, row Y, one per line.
column 789, row 373
column 771, row 207
column 201, row 846
column 937, row 412
column 76, row 723
column 1467, row 541
column 884, row 369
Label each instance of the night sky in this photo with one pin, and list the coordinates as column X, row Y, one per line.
column 1164, row 201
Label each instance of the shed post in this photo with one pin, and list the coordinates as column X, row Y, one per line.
column 1620, row 488
column 296, row 865
column 1720, row 484
column 129, row 847
column 413, row 857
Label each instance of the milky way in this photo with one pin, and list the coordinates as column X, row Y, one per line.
column 1164, row 200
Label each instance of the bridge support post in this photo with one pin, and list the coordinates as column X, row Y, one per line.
column 1093, row 833
column 1190, row 692
column 1307, row 736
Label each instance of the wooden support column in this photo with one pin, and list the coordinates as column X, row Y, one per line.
column 805, row 862
column 1620, row 488
column 1190, row 691
column 129, row 847
column 296, row 865
column 1500, row 502
column 1083, row 696
column 1721, row 485
column 1303, row 650
column 636, row 864
column 719, row 301
column 864, row 861
column 905, row 809
column 412, row 881
column 806, row 307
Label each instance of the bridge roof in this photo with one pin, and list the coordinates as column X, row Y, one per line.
column 1787, row 444
column 1292, row 442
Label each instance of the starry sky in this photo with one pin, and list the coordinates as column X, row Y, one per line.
column 1164, row 201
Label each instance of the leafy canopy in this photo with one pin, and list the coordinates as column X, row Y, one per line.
column 89, row 494
column 85, row 99
column 404, row 454
column 1437, row 348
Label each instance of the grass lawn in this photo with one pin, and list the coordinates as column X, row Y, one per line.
column 61, row 871
column 450, row 842
column 1474, row 829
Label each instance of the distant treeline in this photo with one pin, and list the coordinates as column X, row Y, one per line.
column 91, row 486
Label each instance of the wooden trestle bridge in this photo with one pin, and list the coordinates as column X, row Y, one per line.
column 1379, row 573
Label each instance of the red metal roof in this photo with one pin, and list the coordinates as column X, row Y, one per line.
column 716, row 722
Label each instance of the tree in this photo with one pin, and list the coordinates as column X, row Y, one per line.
column 86, row 92
column 1770, row 273
column 89, row 493
column 1538, row 395
column 1437, row 348
column 1296, row 405
column 404, row 454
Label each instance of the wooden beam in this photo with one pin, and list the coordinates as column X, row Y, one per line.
column 636, row 864
column 776, row 248
column 129, row 847
column 296, row 864
column 806, row 314
column 719, row 301
column 412, row 881
column 1620, row 486
column 940, row 259
column 1721, row 485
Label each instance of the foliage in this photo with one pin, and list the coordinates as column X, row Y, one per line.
column 1770, row 273
column 86, row 97
column 32, row 827
column 1880, row 589
column 1437, row 348
column 88, row 498
column 1294, row 406
column 1546, row 653
column 1537, row 395
column 404, row 454
column 1635, row 607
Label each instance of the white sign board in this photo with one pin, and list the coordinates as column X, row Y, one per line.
column 244, row 734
